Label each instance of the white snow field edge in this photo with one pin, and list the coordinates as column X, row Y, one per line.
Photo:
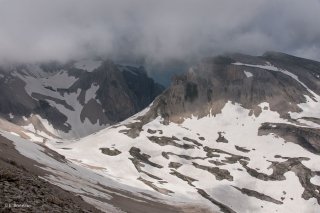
column 88, row 182
column 240, row 129
column 61, row 80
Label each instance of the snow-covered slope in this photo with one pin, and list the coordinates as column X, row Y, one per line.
column 72, row 100
column 219, row 159
column 235, row 133
column 238, row 155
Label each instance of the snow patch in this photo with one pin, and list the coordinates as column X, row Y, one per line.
column 78, row 179
column 271, row 67
column 88, row 65
column 91, row 93
column 315, row 180
column 29, row 127
column 240, row 130
column 60, row 80
column 15, row 134
column 248, row 74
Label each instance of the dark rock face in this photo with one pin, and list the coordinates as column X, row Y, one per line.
column 21, row 186
column 154, row 187
column 116, row 98
column 191, row 91
column 22, row 190
column 242, row 149
column 208, row 86
column 258, row 195
column 165, row 141
column 223, row 208
column 192, row 141
column 291, row 164
column 15, row 100
column 142, row 86
column 187, row 157
column 220, row 174
column 314, row 120
column 232, row 159
column 183, row 177
column 121, row 92
column 308, row 138
column 307, row 70
column 10, row 101
column 175, row 165
column 221, row 138
column 141, row 157
column 111, row 152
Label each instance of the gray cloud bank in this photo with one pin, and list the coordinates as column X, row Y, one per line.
column 40, row 30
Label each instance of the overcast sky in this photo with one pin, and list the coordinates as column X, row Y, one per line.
column 40, row 30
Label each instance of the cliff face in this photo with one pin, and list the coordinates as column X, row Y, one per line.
column 246, row 80
column 76, row 99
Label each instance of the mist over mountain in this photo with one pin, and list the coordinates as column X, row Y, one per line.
column 155, row 31
column 232, row 133
column 147, row 106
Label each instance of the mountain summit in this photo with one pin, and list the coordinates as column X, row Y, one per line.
column 75, row 99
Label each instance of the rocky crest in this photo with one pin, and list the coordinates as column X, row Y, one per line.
column 207, row 87
column 68, row 95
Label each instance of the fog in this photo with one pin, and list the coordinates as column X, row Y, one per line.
column 155, row 31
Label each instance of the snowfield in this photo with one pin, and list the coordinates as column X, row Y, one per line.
column 68, row 103
column 239, row 129
column 234, row 161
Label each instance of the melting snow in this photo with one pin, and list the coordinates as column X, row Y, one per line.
column 29, row 127
column 72, row 177
column 240, row 129
column 64, row 81
column 91, row 93
column 315, row 180
column 248, row 74
column 60, row 80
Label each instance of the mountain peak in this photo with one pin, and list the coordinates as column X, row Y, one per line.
column 76, row 98
column 231, row 128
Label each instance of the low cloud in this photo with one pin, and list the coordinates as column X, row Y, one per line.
column 42, row 30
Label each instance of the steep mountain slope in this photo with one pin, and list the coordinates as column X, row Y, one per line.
column 75, row 99
column 236, row 133
column 23, row 191
column 38, row 175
